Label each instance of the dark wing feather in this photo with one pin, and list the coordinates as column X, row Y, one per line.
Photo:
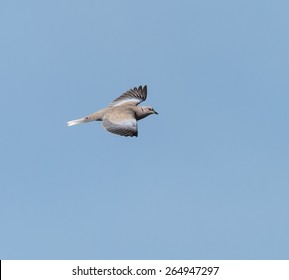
column 135, row 96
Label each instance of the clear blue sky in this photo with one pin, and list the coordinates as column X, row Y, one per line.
column 208, row 178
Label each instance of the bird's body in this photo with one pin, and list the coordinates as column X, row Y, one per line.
column 121, row 116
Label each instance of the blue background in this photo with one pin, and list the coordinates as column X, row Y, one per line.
column 206, row 179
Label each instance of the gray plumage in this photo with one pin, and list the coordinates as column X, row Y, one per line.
column 122, row 114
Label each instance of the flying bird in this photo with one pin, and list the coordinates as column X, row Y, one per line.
column 122, row 114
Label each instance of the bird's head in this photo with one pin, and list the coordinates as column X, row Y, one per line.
column 148, row 110
column 144, row 111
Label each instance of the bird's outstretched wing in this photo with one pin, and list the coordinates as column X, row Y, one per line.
column 133, row 96
column 124, row 125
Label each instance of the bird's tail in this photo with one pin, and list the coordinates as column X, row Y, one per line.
column 97, row 116
column 79, row 121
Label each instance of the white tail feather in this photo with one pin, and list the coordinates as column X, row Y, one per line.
column 78, row 121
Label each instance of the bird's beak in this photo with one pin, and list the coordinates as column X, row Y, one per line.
column 156, row 112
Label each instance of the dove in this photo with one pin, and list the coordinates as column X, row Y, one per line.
column 122, row 114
